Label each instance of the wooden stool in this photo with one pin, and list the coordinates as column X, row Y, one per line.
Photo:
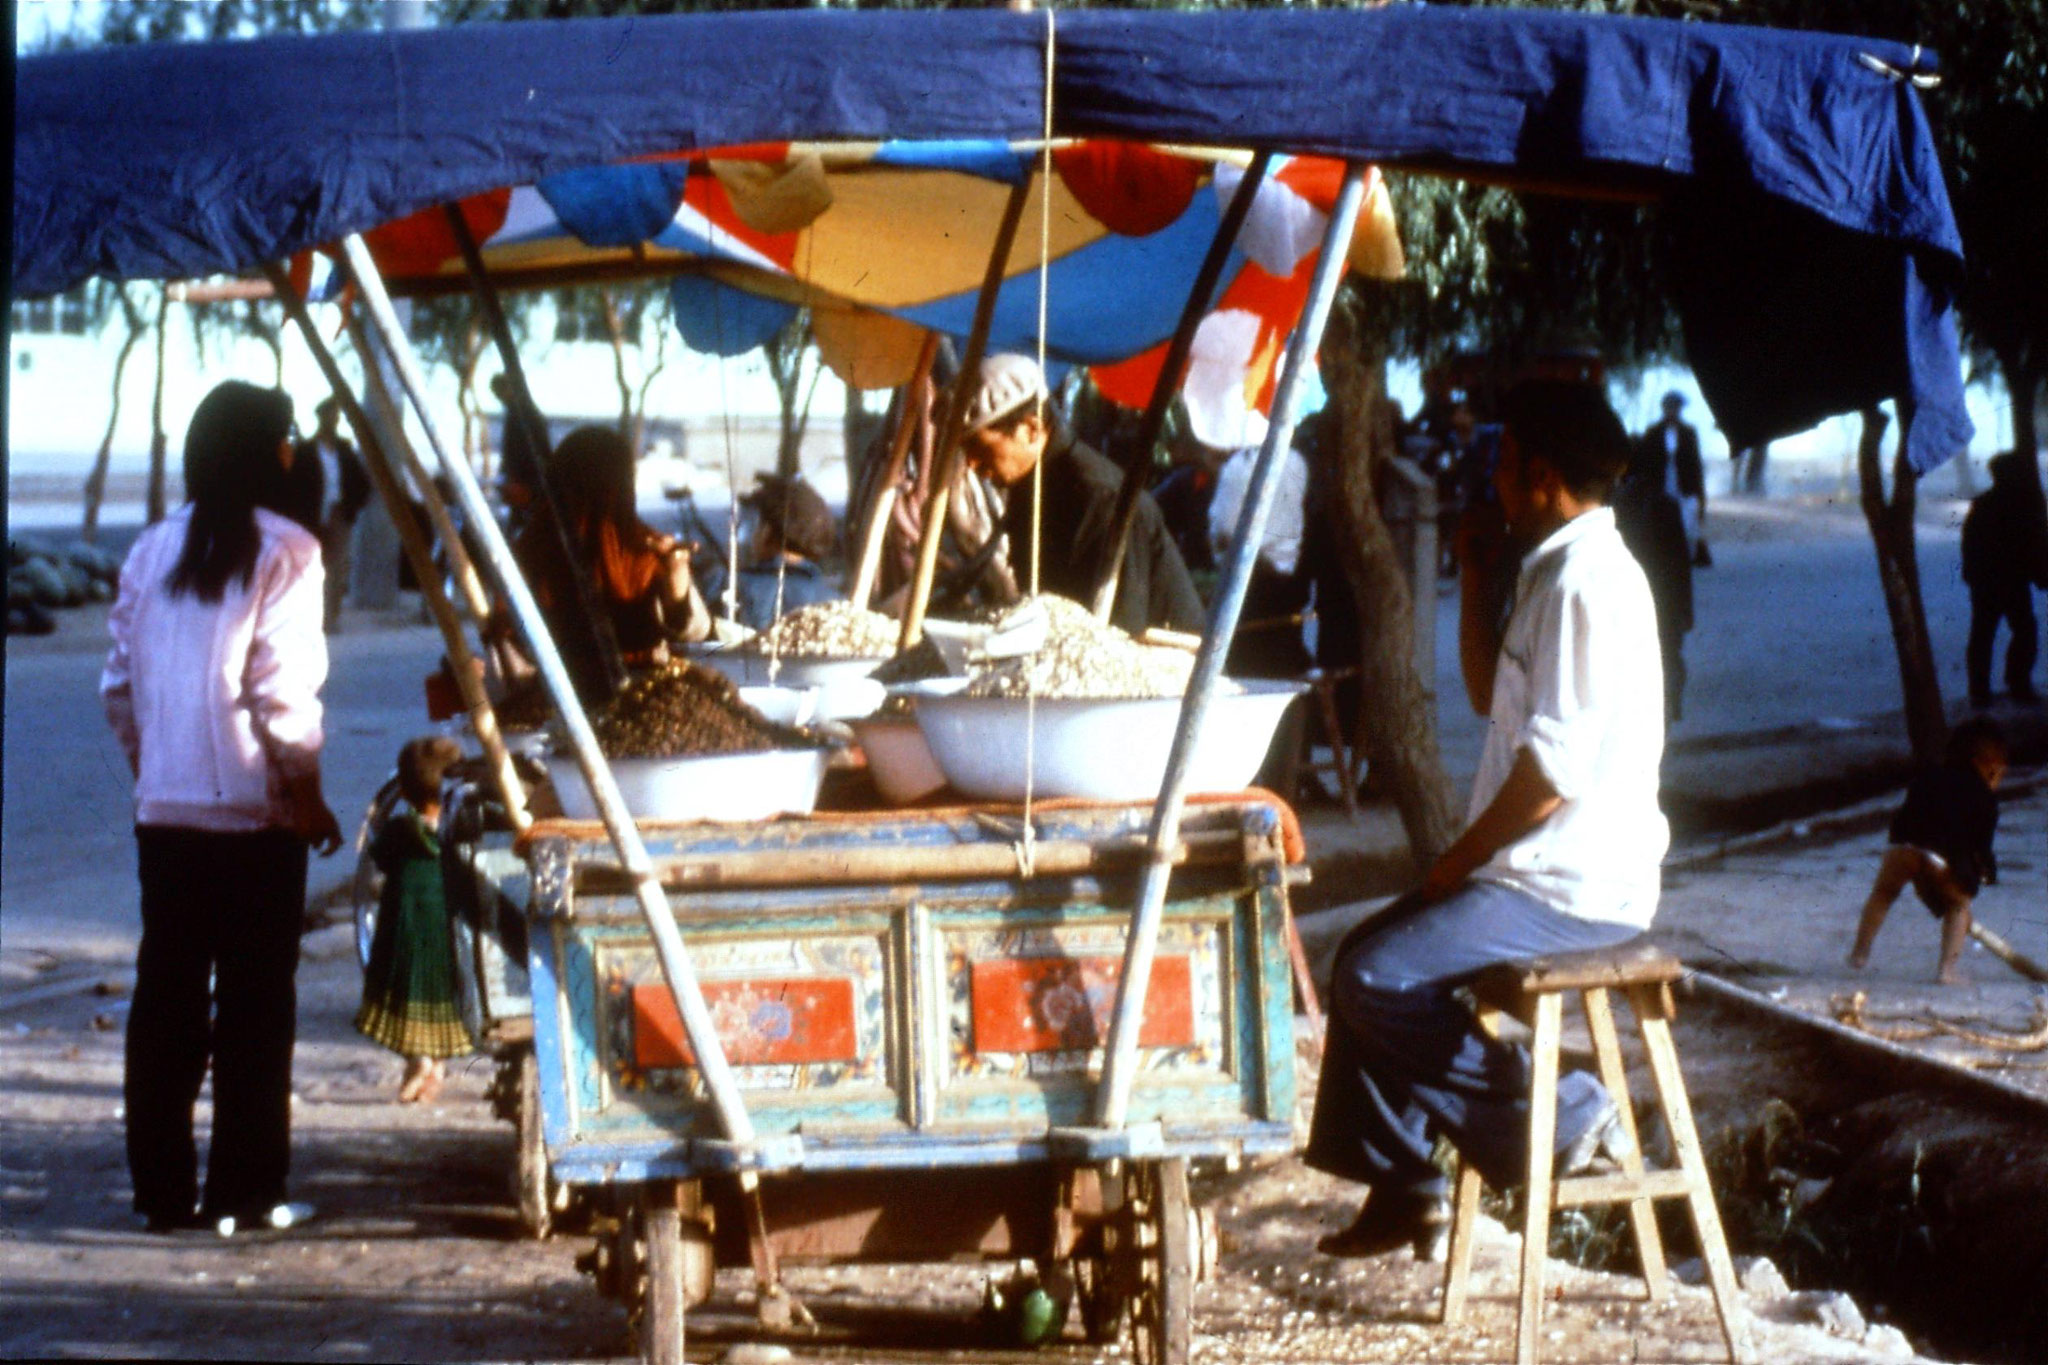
column 1533, row 991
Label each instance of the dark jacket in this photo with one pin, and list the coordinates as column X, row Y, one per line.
column 355, row 481
column 2005, row 544
column 1653, row 528
column 1651, row 456
column 1080, row 500
column 1949, row 811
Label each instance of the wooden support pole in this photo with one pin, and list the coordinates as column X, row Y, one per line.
column 676, row 966
column 461, row 568
column 912, row 413
column 468, row 678
column 603, row 640
column 1138, row 460
column 946, row 450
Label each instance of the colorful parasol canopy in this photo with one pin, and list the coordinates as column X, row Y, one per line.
column 883, row 241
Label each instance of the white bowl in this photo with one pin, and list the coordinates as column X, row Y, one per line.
column 783, row 705
column 728, row 787
column 898, row 758
column 749, row 669
column 1097, row 750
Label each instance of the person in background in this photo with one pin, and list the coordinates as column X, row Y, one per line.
column 1940, row 842
column 1185, row 495
column 1652, row 525
column 1269, row 642
column 344, row 490
column 1668, row 454
column 409, row 983
column 1013, row 427
column 2005, row 557
column 642, row 578
column 793, row 531
column 1560, row 853
column 212, row 687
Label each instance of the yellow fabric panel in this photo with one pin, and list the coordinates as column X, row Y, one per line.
column 1376, row 241
column 868, row 350
column 782, row 198
column 944, row 225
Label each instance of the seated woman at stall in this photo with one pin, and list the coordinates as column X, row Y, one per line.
column 640, row 578
column 794, row 531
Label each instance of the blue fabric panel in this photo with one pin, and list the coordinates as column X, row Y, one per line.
column 162, row 161
column 169, row 160
column 718, row 319
column 616, row 205
column 1108, row 300
column 989, row 160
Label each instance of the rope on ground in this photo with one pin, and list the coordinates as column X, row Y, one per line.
column 1853, row 1010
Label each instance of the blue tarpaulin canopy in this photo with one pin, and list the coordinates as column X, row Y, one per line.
column 1820, row 251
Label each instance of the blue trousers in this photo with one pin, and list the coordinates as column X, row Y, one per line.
column 1405, row 1060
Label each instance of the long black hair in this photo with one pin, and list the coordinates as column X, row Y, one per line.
column 591, row 473
column 231, row 469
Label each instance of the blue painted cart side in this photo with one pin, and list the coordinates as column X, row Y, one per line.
column 949, row 1021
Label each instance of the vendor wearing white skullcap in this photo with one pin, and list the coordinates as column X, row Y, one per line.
column 1012, row 425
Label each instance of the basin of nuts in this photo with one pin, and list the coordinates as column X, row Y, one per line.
column 683, row 745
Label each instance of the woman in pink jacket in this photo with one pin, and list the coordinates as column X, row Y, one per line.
column 213, row 687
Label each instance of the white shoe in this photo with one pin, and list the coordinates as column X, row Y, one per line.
column 277, row 1216
column 1605, row 1141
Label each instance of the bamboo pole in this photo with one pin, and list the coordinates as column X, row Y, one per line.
column 946, row 450
column 468, row 680
column 598, row 621
column 1200, row 299
column 461, row 568
column 911, row 414
column 1113, row 1099
column 611, row 803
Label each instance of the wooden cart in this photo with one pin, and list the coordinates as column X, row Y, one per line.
column 907, row 1007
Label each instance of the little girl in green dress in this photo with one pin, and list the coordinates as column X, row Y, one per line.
column 409, row 984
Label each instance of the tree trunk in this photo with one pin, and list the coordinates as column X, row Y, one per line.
column 1898, row 570
column 616, row 332
column 96, row 481
column 1400, row 741
column 159, row 443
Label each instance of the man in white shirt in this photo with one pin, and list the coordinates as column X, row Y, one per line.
column 1560, row 852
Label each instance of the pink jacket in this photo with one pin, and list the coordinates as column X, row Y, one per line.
column 217, row 703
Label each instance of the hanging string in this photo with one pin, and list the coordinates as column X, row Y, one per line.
column 1025, row 852
column 731, row 594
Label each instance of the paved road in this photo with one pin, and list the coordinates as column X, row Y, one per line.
column 1792, row 627
column 67, row 849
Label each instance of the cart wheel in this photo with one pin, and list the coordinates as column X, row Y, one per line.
column 532, row 1186
column 662, row 1303
column 367, row 886
column 1104, row 1308
column 1162, row 1317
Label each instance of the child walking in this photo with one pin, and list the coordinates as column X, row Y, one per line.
column 409, row 984
column 1941, row 843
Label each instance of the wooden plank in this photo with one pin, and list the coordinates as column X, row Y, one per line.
column 1621, row 1189
column 1542, row 1141
column 1614, row 1075
column 899, row 864
column 1633, row 963
column 1685, row 1141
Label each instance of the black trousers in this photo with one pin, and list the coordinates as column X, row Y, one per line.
column 221, row 916
column 2012, row 603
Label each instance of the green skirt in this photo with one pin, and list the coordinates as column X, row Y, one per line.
column 409, row 984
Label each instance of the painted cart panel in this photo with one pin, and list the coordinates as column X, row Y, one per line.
column 916, row 1022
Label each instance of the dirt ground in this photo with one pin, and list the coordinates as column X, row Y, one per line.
column 416, row 1255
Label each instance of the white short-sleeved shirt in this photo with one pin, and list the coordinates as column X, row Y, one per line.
column 1281, row 547
column 1579, row 684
